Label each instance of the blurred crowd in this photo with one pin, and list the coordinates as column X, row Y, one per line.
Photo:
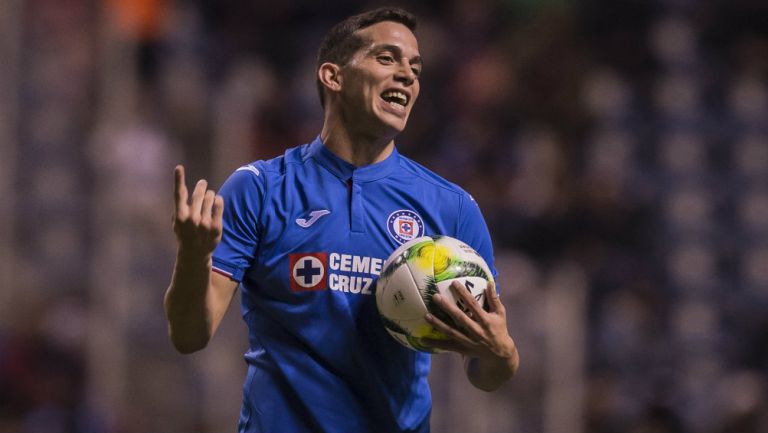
column 618, row 149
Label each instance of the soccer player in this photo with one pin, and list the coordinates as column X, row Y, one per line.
column 305, row 235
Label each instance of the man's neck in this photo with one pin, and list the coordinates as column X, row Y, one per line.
column 357, row 149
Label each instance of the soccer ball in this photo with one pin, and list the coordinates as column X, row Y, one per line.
column 416, row 271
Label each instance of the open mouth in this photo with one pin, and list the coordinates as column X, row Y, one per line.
column 395, row 98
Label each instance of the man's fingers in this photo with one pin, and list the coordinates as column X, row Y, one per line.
column 218, row 212
column 464, row 296
column 450, row 345
column 494, row 302
column 460, row 318
column 207, row 207
column 180, row 192
column 197, row 199
column 450, row 331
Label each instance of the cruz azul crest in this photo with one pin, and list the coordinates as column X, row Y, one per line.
column 404, row 225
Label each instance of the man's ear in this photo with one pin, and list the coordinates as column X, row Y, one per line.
column 330, row 75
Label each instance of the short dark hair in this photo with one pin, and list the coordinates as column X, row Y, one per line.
column 341, row 42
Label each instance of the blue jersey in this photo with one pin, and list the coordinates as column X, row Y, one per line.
column 306, row 235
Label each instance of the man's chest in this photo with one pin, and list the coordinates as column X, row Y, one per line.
column 336, row 237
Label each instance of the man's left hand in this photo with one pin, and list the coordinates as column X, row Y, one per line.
column 479, row 334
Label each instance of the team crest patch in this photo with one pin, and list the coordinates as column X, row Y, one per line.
column 404, row 225
column 308, row 271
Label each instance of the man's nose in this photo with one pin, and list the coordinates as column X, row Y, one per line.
column 405, row 74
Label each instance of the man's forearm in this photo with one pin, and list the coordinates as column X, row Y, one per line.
column 489, row 374
column 185, row 303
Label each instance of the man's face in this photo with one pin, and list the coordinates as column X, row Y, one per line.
column 381, row 81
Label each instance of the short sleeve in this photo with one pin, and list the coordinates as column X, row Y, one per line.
column 473, row 230
column 243, row 195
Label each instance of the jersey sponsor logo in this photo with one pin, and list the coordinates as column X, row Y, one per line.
column 313, row 217
column 344, row 264
column 308, row 271
column 351, row 284
column 346, row 273
column 404, row 225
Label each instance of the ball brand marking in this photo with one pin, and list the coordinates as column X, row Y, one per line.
column 398, row 297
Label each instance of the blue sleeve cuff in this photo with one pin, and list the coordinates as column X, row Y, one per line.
column 228, row 270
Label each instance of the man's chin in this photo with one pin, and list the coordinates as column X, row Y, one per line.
column 395, row 124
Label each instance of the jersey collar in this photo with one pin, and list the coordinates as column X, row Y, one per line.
column 345, row 171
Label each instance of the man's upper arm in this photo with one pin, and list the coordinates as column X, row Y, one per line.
column 220, row 294
column 243, row 195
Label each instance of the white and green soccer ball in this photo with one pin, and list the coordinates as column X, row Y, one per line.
column 416, row 271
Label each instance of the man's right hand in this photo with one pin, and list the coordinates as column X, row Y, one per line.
column 197, row 224
column 197, row 298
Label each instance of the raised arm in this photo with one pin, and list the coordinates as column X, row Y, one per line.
column 197, row 298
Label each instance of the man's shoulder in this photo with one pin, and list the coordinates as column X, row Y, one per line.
column 429, row 177
column 277, row 164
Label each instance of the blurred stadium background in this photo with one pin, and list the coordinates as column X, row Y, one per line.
column 619, row 150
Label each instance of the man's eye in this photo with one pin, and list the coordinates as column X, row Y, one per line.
column 386, row 59
column 416, row 71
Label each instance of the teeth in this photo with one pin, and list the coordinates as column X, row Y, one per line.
column 393, row 96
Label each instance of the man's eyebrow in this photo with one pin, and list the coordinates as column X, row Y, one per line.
column 396, row 50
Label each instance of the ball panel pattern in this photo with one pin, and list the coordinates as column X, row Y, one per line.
column 415, row 272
